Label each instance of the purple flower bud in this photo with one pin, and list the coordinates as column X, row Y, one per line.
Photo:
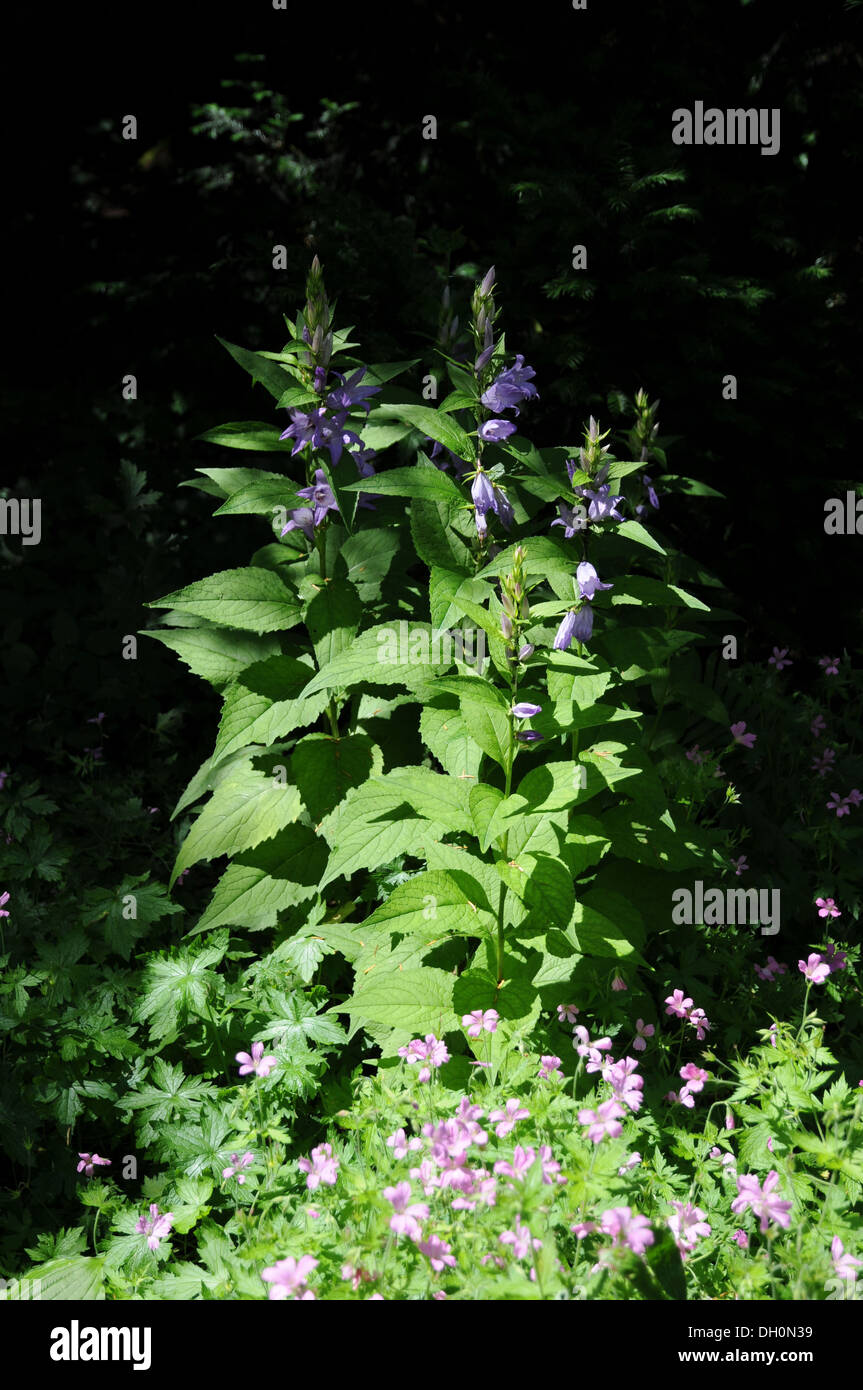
column 526, row 651
column 528, row 736
column 505, row 625
column 484, row 358
column 487, row 282
column 524, row 710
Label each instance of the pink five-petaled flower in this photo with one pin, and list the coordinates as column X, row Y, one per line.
column 4, row 898
column 829, row 665
column 88, row 1160
column 778, row 658
column 618, row 983
column 400, row 1144
column 628, row 1229
column 838, row 804
column 694, row 1077
column 815, row 968
column 632, row 1162
column 155, row 1227
column 405, row 1221
column 520, row 1239
column 739, row 734
column 604, row 1121
column 677, row 1004
column 591, row 1050
column 549, row 1066
column 741, row 865
column 771, row 969
column 626, row 1087
column 522, row 1159
column 854, row 797
column 824, row 764
column 741, row 1238
column 322, row 1167
column 687, row 1224
column 287, row 1278
column 237, row 1164
column 818, row 725
column 699, row 1021
column 477, row 1021
column 643, row 1030
column 567, row 1013
column 846, row 1266
column 512, row 1111
column 764, row 1202
column 827, row 907
column 256, row 1061
column 437, row 1251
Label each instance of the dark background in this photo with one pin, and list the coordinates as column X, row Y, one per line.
column 554, row 129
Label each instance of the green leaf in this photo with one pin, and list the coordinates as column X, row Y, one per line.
column 543, row 883
column 260, row 368
column 434, row 424
column 325, row 769
column 452, row 900
column 70, row 1279
column 173, row 989
column 435, row 540
column 390, row 654
column 368, row 556
column 262, row 497
column 254, row 600
column 248, row 434
column 264, row 704
column 484, row 801
column 433, row 795
column 216, row 654
column 639, row 589
column 262, row 882
column 246, row 809
column 419, row 1001
column 634, row 531
column 136, row 894
column 423, row 481
column 332, row 618
column 372, row 826
column 444, row 731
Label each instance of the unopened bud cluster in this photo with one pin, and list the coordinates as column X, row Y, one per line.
column 646, row 426
column 484, row 312
column 317, row 324
column 592, row 451
column 516, row 609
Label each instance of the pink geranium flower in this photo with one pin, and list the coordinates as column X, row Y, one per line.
column 687, row 1224
column 478, row 1021
column 322, row 1167
column 155, row 1227
column 642, row 1030
column 846, row 1266
column 628, row 1229
column 89, row 1160
column 437, row 1251
column 827, row 907
column 815, row 968
column 778, row 658
column 512, row 1111
column 287, row 1278
column 603, row 1122
column 739, row 734
column 829, row 665
column 549, row 1066
column 256, row 1061
column 763, row 1199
